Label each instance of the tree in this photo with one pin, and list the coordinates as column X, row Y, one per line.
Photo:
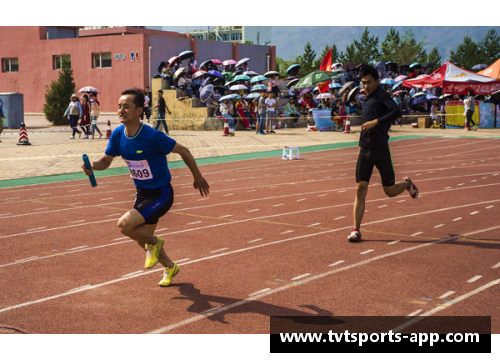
column 466, row 53
column 366, row 48
column 434, row 57
column 57, row 96
column 409, row 50
column 282, row 66
column 390, row 45
column 489, row 47
column 335, row 54
column 307, row 60
column 248, row 41
column 350, row 55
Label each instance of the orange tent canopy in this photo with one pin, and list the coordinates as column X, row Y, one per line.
column 492, row 71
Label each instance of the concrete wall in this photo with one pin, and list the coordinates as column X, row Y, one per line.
column 164, row 48
column 213, row 50
column 258, row 55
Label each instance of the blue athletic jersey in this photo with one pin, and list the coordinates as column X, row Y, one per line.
column 145, row 155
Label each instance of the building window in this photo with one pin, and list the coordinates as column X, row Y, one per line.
column 102, row 60
column 10, row 65
column 58, row 61
column 225, row 37
column 236, row 36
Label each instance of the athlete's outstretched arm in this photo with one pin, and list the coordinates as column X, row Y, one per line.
column 99, row 165
column 199, row 182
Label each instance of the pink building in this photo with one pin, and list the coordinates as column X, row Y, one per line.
column 110, row 59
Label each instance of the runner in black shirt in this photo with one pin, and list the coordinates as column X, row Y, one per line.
column 378, row 112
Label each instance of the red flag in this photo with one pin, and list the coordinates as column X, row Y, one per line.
column 326, row 64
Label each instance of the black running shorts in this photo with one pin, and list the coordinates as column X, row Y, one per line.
column 379, row 157
column 153, row 204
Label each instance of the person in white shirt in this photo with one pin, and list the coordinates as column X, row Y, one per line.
column 181, row 83
column 147, row 103
column 192, row 64
column 270, row 104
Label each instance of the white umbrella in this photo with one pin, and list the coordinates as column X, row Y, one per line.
column 242, row 61
column 238, row 87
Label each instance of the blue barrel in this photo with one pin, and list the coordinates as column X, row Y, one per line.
column 13, row 108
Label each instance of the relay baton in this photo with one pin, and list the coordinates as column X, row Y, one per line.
column 87, row 165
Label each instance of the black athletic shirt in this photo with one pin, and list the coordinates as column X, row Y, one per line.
column 378, row 105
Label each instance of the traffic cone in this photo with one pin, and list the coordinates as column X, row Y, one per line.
column 108, row 132
column 23, row 136
column 347, row 126
column 226, row 129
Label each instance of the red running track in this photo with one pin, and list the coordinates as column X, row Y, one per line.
column 270, row 239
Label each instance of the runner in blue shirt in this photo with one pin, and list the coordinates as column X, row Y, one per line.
column 144, row 151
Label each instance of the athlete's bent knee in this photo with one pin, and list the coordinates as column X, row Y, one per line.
column 390, row 191
column 124, row 226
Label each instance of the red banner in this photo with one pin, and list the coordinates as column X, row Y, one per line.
column 326, row 64
column 478, row 88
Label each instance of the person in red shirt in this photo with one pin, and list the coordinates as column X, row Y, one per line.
column 85, row 120
column 240, row 108
column 413, row 73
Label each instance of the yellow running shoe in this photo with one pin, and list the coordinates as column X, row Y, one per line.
column 168, row 274
column 153, row 253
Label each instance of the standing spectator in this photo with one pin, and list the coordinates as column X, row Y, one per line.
column 2, row 116
column 95, row 111
column 270, row 105
column 261, row 112
column 291, row 111
column 470, row 103
column 195, row 85
column 147, row 105
column 224, row 111
column 74, row 113
column 85, row 119
column 192, row 64
column 162, row 105
column 272, row 86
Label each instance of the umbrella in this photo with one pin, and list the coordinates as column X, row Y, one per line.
column 259, row 78
column 399, row 91
column 402, row 65
column 380, row 65
column 428, row 65
column 206, row 92
column 479, row 66
column 422, row 76
column 241, row 77
column 186, row 54
column 88, row 89
column 221, row 88
column 161, row 66
column 292, row 82
column 336, row 65
column 415, row 65
column 418, row 100
column 390, row 63
column 335, row 85
column 231, row 83
column 317, row 77
column 216, row 61
column 397, row 85
column 206, row 62
column 324, row 96
column 388, row 81
column 229, row 97
column 338, row 70
column 271, row 74
column 214, row 73
column 293, row 66
column 179, row 71
column 252, row 95
column 430, row 96
column 173, row 59
column 250, row 72
column 444, row 96
column 349, row 66
column 494, row 98
column 400, row 78
column 227, row 75
column 229, row 62
column 238, row 87
column 419, row 94
column 307, row 90
column 242, row 61
column 198, row 74
column 346, row 85
column 258, row 87
column 352, row 94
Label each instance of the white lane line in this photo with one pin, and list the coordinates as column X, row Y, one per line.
column 253, row 210
column 9, row 213
column 301, row 276
column 318, row 223
column 472, row 280
column 26, row 259
column 337, row 263
column 228, row 194
column 107, row 198
column 381, row 206
column 367, row 251
column 222, row 217
column 134, row 273
column 340, row 217
column 203, row 199
column 446, row 294
column 489, row 207
column 74, row 222
column 322, row 195
column 50, row 193
column 78, row 247
column 458, row 218
column 474, row 212
column 42, row 208
column 177, row 203
column 301, row 200
column 40, row 228
column 414, row 313
column 216, row 251
column 418, row 174
column 180, row 261
column 286, row 232
column 438, row 226
column 473, row 180
column 194, row 222
column 342, row 191
column 74, row 190
column 420, row 232
column 77, row 203
column 461, row 184
column 446, row 188
column 278, row 205
column 250, row 190
column 259, row 291
column 495, row 266
column 401, row 201
column 393, row 242
column 161, row 229
column 114, row 214
column 253, row 241
column 438, row 309
column 79, row 289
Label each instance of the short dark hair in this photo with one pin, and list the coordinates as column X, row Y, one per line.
column 471, row 93
column 366, row 70
column 159, row 90
column 138, row 96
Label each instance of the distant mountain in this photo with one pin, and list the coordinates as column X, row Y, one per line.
column 290, row 40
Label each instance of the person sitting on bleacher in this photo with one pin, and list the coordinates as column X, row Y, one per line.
column 181, row 84
column 291, row 111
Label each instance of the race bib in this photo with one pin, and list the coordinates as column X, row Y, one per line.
column 139, row 170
